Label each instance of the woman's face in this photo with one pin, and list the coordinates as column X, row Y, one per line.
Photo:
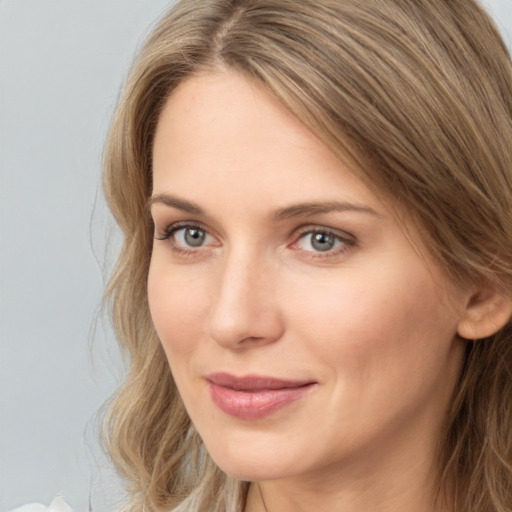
column 305, row 331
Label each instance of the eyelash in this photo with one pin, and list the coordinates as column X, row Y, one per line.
column 171, row 230
column 347, row 241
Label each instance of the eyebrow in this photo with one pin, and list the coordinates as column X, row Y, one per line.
column 297, row 210
column 316, row 208
column 176, row 202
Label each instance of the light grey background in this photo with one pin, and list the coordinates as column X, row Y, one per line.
column 61, row 65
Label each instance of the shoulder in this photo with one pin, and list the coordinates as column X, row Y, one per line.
column 57, row 505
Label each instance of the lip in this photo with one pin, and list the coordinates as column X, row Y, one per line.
column 254, row 396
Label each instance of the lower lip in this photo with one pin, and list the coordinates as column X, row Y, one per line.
column 255, row 404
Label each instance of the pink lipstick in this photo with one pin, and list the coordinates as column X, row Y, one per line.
column 252, row 396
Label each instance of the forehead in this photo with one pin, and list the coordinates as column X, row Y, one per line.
column 226, row 131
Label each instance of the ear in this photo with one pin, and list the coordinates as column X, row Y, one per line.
column 487, row 311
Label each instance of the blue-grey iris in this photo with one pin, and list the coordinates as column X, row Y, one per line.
column 322, row 241
column 194, row 237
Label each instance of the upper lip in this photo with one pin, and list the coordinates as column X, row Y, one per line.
column 254, row 382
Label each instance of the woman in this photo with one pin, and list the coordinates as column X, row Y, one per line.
column 315, row 283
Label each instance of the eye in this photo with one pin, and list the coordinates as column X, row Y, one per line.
column 185, row 237
column 323, row 241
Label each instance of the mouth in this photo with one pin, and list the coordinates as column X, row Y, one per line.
column 253, row 396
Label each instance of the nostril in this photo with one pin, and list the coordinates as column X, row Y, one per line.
column 244, row 327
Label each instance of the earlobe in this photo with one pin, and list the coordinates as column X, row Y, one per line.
column 487, row 311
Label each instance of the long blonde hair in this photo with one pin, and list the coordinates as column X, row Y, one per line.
column 417, row 96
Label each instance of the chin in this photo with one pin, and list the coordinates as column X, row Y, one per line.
column 252, row 464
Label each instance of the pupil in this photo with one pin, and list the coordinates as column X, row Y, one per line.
column 322, row 241
column 194, row 237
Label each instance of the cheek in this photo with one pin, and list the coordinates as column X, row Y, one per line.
column 177, row 307
column 378, row 323
column 384, row 347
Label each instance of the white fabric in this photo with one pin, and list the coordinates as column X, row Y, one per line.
column 57, row 505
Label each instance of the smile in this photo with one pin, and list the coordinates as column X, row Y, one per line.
column 254, row 397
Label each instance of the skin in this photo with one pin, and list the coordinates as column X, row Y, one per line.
column 372, row 321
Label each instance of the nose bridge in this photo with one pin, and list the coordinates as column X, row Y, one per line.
column 244, row 309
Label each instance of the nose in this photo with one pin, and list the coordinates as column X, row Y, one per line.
column 246, row 310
